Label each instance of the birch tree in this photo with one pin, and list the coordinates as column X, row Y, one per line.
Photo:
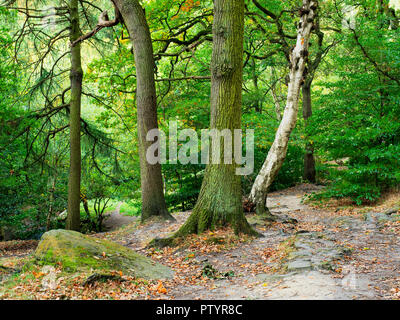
column 278, row 151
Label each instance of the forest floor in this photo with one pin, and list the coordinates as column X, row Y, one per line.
column 115, row 220
column 335, row 251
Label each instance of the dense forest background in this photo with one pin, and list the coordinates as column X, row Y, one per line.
column 347, row 137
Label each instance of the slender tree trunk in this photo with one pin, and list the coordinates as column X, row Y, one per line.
column 275, row 97
column 86, row 207
column 153, row 201
column 258, row 104
column 277, row 104
column 220, row 198
column 277, row 153
column 76, row 75
column 309, row 161
column 51, row 201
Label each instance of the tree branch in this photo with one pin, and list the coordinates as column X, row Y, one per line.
column 104, row 22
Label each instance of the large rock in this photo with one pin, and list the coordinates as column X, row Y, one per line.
column 76, row 251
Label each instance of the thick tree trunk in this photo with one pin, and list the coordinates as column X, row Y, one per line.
column 277, row 153
column 153, row 201
column 76, row 74
column 309, row 161
column 220, row 198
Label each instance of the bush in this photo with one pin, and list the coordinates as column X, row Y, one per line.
column 290, row 173
column 183, row 185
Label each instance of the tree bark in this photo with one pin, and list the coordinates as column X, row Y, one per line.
column 52, row 190
column 277, row 153
column 153, row 201
column 309, row 161
column 258, row 103
column 277, row 104
column 220, row 198
column 76, row 75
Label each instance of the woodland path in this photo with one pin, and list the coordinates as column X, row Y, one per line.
column 337, row 251
column 115, row 220
column 333, row 253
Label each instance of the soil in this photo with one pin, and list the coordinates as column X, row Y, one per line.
column 115, row 220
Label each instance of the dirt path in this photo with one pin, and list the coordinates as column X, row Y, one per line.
column 116, row 220
column 326, row 255
column 333, row 252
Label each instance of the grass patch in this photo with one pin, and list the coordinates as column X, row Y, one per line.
column 130, row 208
column 111, row 206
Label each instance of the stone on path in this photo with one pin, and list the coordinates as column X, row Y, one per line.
column 299, row 265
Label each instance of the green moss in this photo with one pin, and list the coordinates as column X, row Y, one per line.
column 74, row 252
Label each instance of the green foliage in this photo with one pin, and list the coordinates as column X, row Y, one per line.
column 184, row 182
column 356, row 102
column 265, row 126
column 131, row 208
column 97, row 193
column 15, row 186
column 357, row 115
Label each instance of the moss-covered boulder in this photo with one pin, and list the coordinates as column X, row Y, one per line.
column 75, row 251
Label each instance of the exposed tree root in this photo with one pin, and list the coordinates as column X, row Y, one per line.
column 164, row 216
column 196, row 224
column 96, row 277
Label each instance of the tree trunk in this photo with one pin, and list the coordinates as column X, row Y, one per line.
column 153, row 201
column 277, row 153
column 52, row 190
column 76, row 75
column 309, row 161
column 277, row 104
column 220, row 198
column 259, row 103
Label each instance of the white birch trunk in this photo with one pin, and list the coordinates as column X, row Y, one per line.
column 278, row 151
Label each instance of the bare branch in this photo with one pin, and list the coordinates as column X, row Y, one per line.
column 104, row 22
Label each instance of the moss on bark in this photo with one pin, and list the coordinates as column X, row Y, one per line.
column 76, row 75
column 220, row 199
column 153, row 201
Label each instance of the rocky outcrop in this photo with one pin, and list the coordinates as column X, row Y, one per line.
column 75, row 251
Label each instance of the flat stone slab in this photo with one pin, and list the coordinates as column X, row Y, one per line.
column 378, row 217
column 300, row 254
column 313, row 251
column 299, row 265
